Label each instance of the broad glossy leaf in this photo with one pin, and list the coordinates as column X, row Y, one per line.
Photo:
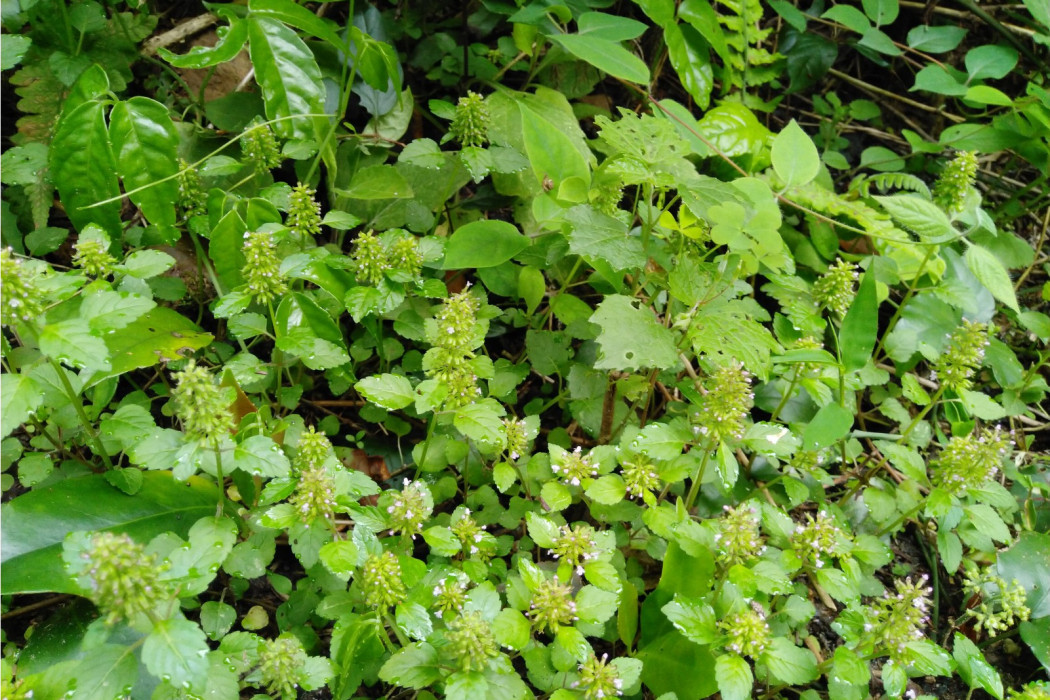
column 789, row 663
column 298, row 16
column 860, row 326
column 734, row 677
column 691, row 58
column 73, row 343
column 299, row 310
column 84, row 170
column 36, row 523
column 105, row 672
column 881, row 11
column 145, row 146
column 605, row 55
column 485, row 243
column 389, row 391
column 734, row 130
column 19, row 398
column 610, row 27
column 552, row 153
column 937, row 39
column 1028, row 561
column 919, row 215
column 990, row 272
column 288, row 75
column 230, row 42
column 990, row 61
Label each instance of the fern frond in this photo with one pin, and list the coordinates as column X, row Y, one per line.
column 884, row 182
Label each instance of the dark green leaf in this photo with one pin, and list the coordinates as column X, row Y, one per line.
column 828, row 426
column 84, row 170
column 860, row 326
column 144, row 143
column 288, row 75
column 632, row 337
column 1028, row 561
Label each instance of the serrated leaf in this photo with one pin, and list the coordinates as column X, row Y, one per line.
column 481, row 421
column 259, row 455
column 73, row 343
column 790, row 664
column 177, row 648
column 542, row 531
column 693, row 619
column 106, row 310
column 607, row 490
column 632, row 338
column 920, row 216
column 734, row 677
column 990, row 272
column 20, row 396
column 414, row 666
column 598, row 236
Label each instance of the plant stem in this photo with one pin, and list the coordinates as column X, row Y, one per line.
column 78, row 406
column 694, row 489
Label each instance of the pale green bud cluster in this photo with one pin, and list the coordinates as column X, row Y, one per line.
column 409, row 508
column 313, row 449
column 955, row 181
column 607, row 196
column 517, row 438
column 640, row 477
column 260, row 146
column 192, row 197
column 91, row 253
column 471, row 536
column 20, row 299
column 201, row 404
column 552, row 606
column 573, row 467
column 575, row 545
column 450, row 596
column 454, row 336
column 372, row 258
column 315, row 495
column 727, row 403
column 262, row 267
column 404, row 254
column 747, row 631
column 598, row 679
column 1001, row 605
column 470, row 641
column 837, row 287
column 739, row 539
column 281, row 661
column 381, row 581
column 820, row 540
column 1037, row 690
column 970, row 461
column 123, row 580
column 899, row 617
column 304, row 212
column 965, row 353
column 470, row 125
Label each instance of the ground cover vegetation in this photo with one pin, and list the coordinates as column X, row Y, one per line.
column 525, row 349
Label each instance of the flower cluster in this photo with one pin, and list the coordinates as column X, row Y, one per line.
column 19, row 296
column 381, row 581
column 281, row 661
column 315, row 495
column 517, row 433
column 970, row 461
column 313, row 449
column 192, row 197
column 640, row 477
column 201, row 404
column 470, row 125
column 606, row 196
column 1001, row 605
column 92, row 253
column 965, row 353
column 122, row 579
column 576, row 546
column 836, row 288
column 898, row 617
column 304, row 212
column 955, row 181
column 573, row 467
column 598, row 679
column 373, row 258
column 727, row 402
column 747, row 631
column 450, row 595
column 260, row 146
column 471, row 642
column 1037, row 690
column 471, row 536
column 552, row 605
column 738, row 538
column 819, row 540
column 409, row 508
column 262, row 267
column 454, row 335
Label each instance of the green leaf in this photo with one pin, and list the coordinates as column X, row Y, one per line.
column 36, row 523
column 177, row 648
column 595, row 605
column 939, row 80
column 106, row 310
column 511, row 629
column 1028, row 561
column 1040, row 11
column 790, row 664
column 691, row 57
column 990, row 61
column 195, row 564
column 466, row 685
column 598, row 236
column 848, row 16
column 147, row 263
column 986, row 95
column 217, row 618
column 390, row 391
column 84, row 170
column 377, row 182
column 300, row 18
column 230, row 42
column 287, row 72
column 881, row 11
column 828, row 426
column 938, row 39
column 973, row 668
column 1036, row 634
column 414, row 666
column 605, row 55
column 20, row 396
column 73, row 343
column 860, row 326
column 734, row 677
column 607, row 490
column 555, row 496
column 481, row 421
column 442, row 541
column 485, row 243
column 990, row 272
column 920, row 216
column 632, row 338
column 145, row 145
column 259, row 455
column 299, row 310
column 550, row 151
column 795, row 157
column 542, row 531
column 694, row 619
column 105, row 672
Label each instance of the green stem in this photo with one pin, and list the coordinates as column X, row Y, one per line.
column 219, row 477
column 78, row 406
column 900, row 307
column 694, row 489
